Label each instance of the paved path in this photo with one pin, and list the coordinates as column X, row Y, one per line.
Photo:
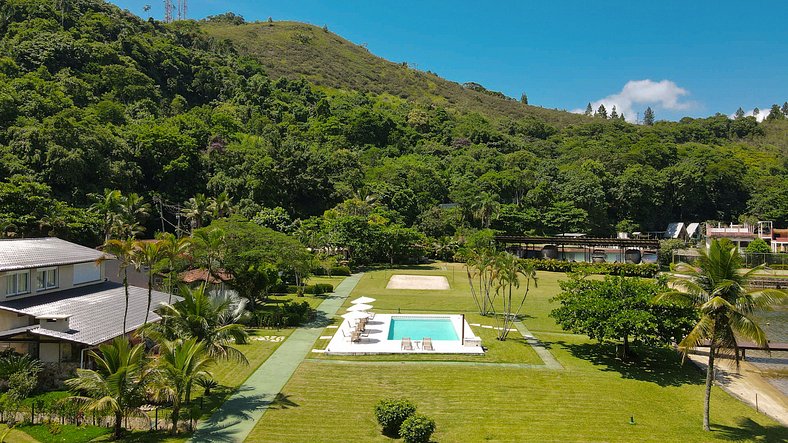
column 236, row 418
column 543, row 353
column 746, row 384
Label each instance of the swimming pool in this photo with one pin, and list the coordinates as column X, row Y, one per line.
column 436, row 328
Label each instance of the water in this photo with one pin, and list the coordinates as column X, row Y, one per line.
column 418, row 328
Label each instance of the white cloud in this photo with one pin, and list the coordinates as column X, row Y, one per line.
column 764, row 112
column 636, row 95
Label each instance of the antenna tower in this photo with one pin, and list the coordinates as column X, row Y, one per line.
column 182, row 9
column 168, row 10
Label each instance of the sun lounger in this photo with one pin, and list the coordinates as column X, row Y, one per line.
column 355, row 337
column 406, row 344
column 426, row 344
column 371, row 316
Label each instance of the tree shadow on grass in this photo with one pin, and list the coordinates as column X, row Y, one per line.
column 656, row 365
column 282, row 401
column 749, row 430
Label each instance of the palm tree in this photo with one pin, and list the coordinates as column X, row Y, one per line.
column 118, row 383
column 717, row 289
column 109, row 207
column 479, row 263
column 508, row 270
column 221, row 206
column 172, row 249
column 147, row 255
column 123, row 250
column 135, row 211
column 209, row 249
column 197, row 210
column 212, row 319
column 181, row 364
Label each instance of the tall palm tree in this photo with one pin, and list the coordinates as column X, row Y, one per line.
column 173, row 250
column 147, row 255
column 134, row 211
column 717, row 288
column 108, row 206
column 181, row 363
column 508, row 270
column 196, row 210
column 212, row 319
column 118, row 383
column 123, row 250
column 208, row 246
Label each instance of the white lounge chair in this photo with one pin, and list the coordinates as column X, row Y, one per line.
column 406, row 344
column 426, row 344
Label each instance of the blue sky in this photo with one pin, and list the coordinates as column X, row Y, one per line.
column 692, row 58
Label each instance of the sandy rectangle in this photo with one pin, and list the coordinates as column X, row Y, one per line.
column 429, row 282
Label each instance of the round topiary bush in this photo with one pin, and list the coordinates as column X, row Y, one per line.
column 418, row 428
column 390, row 414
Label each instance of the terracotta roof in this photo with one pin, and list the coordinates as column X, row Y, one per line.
column 28, row 253
column 196, row 275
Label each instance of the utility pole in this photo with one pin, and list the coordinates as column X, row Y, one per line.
column 182, row 8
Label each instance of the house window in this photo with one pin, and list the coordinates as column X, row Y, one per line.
column 86, row 272
column 46, row 279
column 17, row 283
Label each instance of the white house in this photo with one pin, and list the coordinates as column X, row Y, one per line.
column 56, row 301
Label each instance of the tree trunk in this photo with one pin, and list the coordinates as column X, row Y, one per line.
column 626, row 347
column 150, row 293
column 126, row 288
column 709, row 381
column 175, row 412
column 118, row 424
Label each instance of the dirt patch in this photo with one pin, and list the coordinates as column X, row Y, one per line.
column 428, row 282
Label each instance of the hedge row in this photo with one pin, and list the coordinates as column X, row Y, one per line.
column 622, row 269
column 335, row 270
column 317, row 289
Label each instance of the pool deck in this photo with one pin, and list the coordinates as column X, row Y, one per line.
column 378, row 343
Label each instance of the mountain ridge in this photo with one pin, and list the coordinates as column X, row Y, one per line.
column 294, row 49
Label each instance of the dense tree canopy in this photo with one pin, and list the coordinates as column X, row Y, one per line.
column 92, row 97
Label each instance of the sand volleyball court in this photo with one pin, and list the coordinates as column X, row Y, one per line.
column 429, row 282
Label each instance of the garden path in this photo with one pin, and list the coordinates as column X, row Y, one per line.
column 234, row 420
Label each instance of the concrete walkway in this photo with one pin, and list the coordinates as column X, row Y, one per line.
column 746, row 384
column 541, row 351
column 236, row 418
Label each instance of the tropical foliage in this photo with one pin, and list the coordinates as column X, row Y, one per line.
column 717, row 289
column 187, row 116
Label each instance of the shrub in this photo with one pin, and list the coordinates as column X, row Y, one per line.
column 418, row 428
column 319, row 288
column 288, row 314
column 622, row 269
column 391, row 413
column 340, row 270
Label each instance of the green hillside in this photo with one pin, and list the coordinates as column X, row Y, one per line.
column 294, row 50
column 300, row 130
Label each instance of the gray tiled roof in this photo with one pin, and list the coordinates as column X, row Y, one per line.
column 25, row 253
column 96, row 311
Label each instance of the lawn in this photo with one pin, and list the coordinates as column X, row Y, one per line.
column 56, row 433
column 592, row 399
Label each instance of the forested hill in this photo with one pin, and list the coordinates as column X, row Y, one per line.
column 295, row 50
column 92, row 97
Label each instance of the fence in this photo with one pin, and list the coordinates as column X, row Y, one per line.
column 751, row 260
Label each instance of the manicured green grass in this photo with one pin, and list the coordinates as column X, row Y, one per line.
column 592, row 399
column 56, row 433
column 14, row 436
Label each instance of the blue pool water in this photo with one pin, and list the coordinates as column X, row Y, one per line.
column 418, row 328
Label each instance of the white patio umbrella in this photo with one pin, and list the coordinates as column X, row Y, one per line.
column 354, row 315
column 365, row 300
column 359, row 307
